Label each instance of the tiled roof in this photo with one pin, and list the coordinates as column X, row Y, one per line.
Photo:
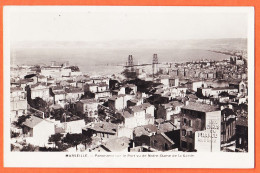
column 200, row 107
column 130, row 85
column 173, row 104
column 126, row 114
column 103, row 127
column 32, row 121
column 57, row 88
column 145, row 130
column 140, row 107
column 16, row 89
column 223, row 88
column 102, row 84
column 41, row 77
column 117, row 144
column 88, row 101
column 166, row 127
column 59, row 92
column 73, row 90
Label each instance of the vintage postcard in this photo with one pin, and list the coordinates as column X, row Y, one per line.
column 129, row 86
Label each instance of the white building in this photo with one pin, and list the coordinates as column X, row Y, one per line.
column 88, row 107
column 37, row 131
column 40, row 90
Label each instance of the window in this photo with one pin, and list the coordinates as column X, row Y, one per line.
column 155, row 143
column 166, row 147
column 184, row 121
column 183, row 132
column 190, row 123
column 184, row 144
column 189, row 133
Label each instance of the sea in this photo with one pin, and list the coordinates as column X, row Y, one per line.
column 105, row 62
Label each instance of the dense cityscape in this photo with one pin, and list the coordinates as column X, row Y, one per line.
column 198, row 106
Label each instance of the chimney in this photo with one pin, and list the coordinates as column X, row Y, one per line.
column 186, row 103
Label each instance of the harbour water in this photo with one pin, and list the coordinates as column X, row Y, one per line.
column 109, row 61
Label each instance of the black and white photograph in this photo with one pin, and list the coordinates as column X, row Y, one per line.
column 129, row 86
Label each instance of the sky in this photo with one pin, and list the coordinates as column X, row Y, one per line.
column 104, row 24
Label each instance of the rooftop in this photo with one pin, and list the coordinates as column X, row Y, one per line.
column 117, row 144
column 140, row 107
column 73, row 90
column 145, row 130
column 41, row 77
column 105, row 127
column 223, row 88
column 173, row 104
column 88, row 101
column 102, row 84
column 130, row 85
column 200, row 107
column 59, row 92
column 166, row 127
column 16, row 89
column 57, row 88
column 32, row 121
column 38, row 84
column 125, row 114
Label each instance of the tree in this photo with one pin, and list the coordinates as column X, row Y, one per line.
column 118, row 119
column 38, row 103
column 224, row 94
column 129, row 74
column 88, row 95
column 55, row 138
column 14, row 134
column 114, row 84
column 21, row 120
column 243, row 106
column 58, row 113
column 74, row 68
column 74, row 139
column 49, row 149
column 29, row 147
column 86, row 141
column 143, row 86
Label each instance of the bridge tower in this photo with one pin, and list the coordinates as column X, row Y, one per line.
column 130, row 62
column 155, row 64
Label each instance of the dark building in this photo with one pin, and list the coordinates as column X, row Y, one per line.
column 194, row 116
column 228, row 125
column 242, row 134
column 161, row 138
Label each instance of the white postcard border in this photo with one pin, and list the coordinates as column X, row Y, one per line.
column 130, row 160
